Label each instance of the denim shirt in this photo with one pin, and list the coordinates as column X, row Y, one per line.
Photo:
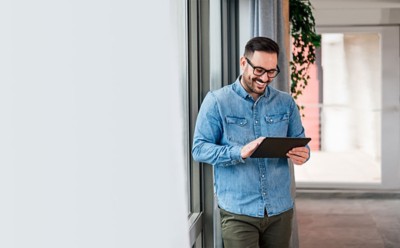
column 228, row 119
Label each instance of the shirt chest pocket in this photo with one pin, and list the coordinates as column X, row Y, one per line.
column 276, row 125
column 238, row 130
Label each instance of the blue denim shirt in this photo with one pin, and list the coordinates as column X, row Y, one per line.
column 228, row 119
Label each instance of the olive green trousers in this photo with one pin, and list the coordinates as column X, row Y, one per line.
column 241, row 231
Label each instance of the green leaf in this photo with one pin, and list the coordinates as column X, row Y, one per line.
column 305, row 41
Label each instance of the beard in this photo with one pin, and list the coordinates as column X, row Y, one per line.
column 254, row 85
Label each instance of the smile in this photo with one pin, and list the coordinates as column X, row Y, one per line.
column 260, row 82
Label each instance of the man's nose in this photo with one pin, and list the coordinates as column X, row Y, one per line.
column 265, row 77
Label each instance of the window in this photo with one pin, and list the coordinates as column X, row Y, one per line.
column 210, row 59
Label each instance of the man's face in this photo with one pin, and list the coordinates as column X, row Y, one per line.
column 256, row 85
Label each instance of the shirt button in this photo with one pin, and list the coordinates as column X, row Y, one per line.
column 256, row 122
column 262, row 176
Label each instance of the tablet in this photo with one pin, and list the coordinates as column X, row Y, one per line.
column 277, row 147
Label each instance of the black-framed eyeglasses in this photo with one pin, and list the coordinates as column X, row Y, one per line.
column 259, row 71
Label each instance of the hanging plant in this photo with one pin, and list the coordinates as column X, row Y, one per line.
column 305, row 41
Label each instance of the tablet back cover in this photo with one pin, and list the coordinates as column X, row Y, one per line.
column 277, row 147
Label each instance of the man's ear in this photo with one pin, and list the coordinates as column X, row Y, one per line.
column 243, row 63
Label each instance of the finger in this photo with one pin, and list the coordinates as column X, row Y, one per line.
column 297, row 160
column 255, row 146
column 300, row 153
column 257, row 142
column 251, row 147
column 300, row 149
column 260, row 139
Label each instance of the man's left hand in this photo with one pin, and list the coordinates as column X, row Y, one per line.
column 299, row 155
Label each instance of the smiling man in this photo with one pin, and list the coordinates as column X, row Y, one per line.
column 253, row 193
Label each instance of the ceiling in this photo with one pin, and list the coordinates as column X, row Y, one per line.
column 355, row 4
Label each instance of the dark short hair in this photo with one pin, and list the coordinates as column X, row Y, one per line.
column 261, row 44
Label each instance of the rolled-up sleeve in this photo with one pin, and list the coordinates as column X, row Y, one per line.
column 207, row 135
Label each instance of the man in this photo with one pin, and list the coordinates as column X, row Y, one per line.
column 253, row 194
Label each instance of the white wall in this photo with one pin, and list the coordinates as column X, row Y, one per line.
column 352, row 92
column 90, row 128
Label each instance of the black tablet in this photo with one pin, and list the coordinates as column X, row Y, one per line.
column 278, row 147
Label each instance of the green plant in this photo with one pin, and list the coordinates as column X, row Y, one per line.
column 305, row 40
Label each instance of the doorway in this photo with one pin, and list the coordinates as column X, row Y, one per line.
column 349, row 106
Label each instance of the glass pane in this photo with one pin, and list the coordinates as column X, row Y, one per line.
column 343, row 111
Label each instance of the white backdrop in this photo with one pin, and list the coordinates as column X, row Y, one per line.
column 90, row 125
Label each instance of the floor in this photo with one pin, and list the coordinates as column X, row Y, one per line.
column 348, row 220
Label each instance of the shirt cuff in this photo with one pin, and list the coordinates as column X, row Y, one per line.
column 235, row 155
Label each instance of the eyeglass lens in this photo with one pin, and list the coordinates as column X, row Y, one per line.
column 259, row 71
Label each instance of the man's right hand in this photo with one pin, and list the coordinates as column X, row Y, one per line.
column 249, row 148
